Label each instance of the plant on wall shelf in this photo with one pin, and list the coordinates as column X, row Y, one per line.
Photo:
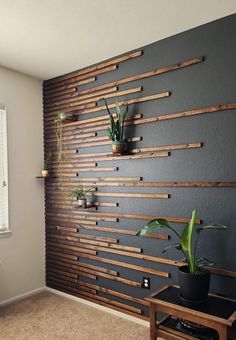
column 46, row 163
column 80, row 194
column 194, row 281
column 116, row 130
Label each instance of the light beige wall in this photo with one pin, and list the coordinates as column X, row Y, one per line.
column 22, row 254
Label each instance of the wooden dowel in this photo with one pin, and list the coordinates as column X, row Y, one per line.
column 61, row 281
column 167, row 184
column 78, row 145
column 114, row 293
column 53, row 272
column 80, row 138
column 136, row 216
column 100, row 169
column 117, row 278
column 96, row 204
column 126, row 102
column 58, row 254
column 59, row 102
column 74, row 80
column 69, row 240
column 79, row 215
column 73, row 126
column 117, row 158
column 54, row 276
column 67, row 220
column 109, row 179
column 125, row 265
column 113, row 302
column 209, row 109
column 128, row 157
column 114, row 307
column 141, row 195
column 147, row 149
column 148, row 74
column 77, row 104
column 77, row 249
column 55, row 92
column 121, row 231
column 56, row 228
column 58, row 233
column 93, row 68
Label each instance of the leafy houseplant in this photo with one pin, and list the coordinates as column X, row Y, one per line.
column 116, row 130
column 46, row 163
column 194, row 280
column 80, row 194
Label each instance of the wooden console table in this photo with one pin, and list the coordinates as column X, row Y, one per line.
column 217, row 313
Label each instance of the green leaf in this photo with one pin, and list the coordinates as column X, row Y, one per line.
column 174, row 245
column 153, row 225
column 202, row 261
column 181, row 260
column 210, row 227
column 186, row 241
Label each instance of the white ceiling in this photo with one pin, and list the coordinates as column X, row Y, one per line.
column 46, row 38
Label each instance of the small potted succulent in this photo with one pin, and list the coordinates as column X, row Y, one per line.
column 46, row 163
column 116, row 130
column 194, row 279
column 80, row 194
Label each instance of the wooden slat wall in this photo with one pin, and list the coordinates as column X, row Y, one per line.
column 83, row 256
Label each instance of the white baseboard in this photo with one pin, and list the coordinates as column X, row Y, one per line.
column 22, row 296
column 102, row 308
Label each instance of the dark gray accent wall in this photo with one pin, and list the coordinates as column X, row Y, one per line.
column 209, row 83
column 205, row 84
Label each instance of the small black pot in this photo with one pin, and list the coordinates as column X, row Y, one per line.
column 193, row 288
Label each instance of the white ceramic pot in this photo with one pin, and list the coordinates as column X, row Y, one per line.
column 82, row 203
column 44, row 173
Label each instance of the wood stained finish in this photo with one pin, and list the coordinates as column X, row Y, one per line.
column 84, row 256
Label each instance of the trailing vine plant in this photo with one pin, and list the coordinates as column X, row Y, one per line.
column 61, row 116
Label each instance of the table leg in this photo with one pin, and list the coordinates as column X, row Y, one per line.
column 153, row 328
column 222, row 331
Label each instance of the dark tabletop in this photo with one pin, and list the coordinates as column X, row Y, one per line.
column 214, row 305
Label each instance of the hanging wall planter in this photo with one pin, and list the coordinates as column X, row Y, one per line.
column 118, row 147
column 80, row 194
column 116, row 130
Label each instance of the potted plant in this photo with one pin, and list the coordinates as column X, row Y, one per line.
column 46, row 163
column 116, row 130
column 80, row 194
column 194, row 280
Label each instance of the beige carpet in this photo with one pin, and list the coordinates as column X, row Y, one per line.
column 51, row 317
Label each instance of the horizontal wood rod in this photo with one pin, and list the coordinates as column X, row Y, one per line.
column 147, row 149
column 126, row 102
column 170, row 184
column 114, row 293
column 76, row 95
column 182, row 114
column 74, row 126
column 77, row 104
column 121, row 231
column 74, row 81
column 80, row 99
column 156, row 72
column 93, row 68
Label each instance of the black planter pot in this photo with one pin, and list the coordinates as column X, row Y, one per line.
column 193, row 288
